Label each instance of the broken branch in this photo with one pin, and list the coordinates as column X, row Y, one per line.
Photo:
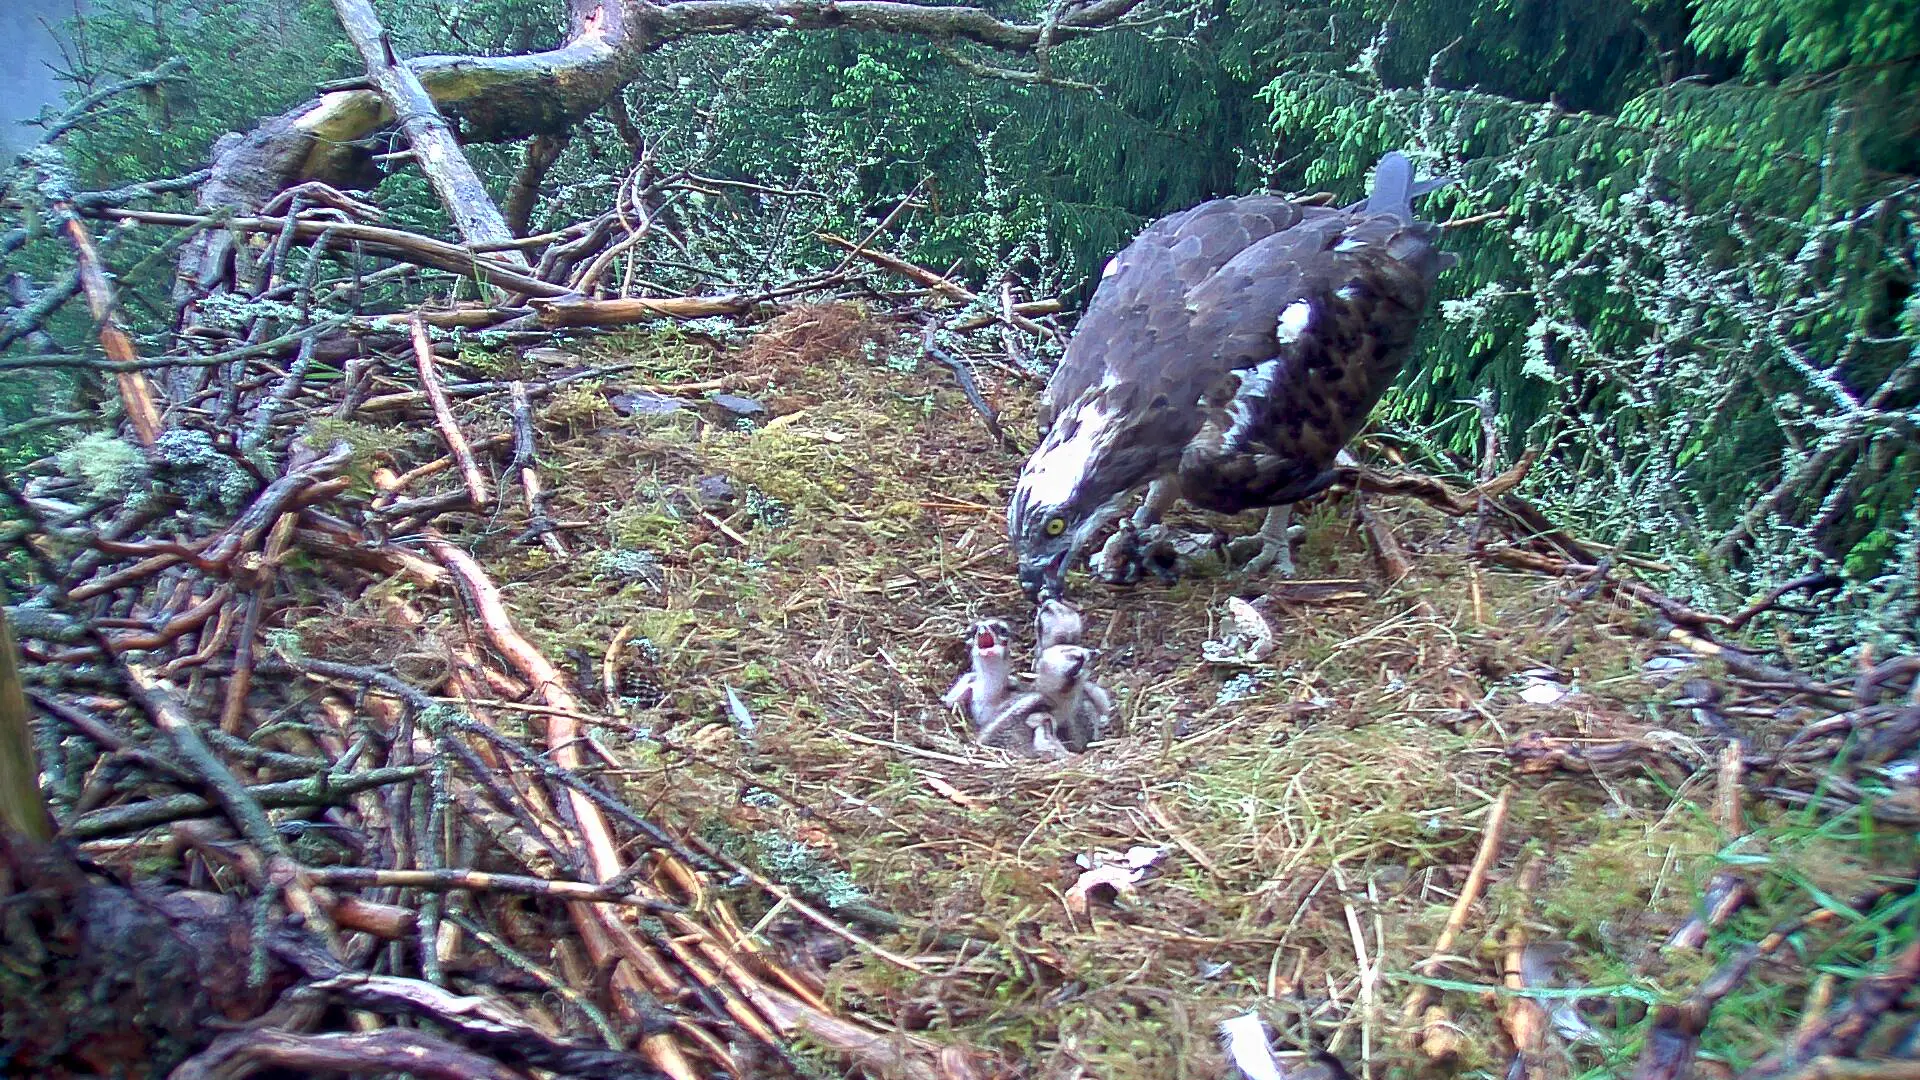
column 443, row 416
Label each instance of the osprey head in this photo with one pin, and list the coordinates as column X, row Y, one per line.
column 1061, row 500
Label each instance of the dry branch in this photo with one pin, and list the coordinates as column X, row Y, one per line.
column 171, row 716
column 629, row 310
column 316, row 791
column 479, row 1022
column 944, row 286
column 1387, row 552
column 136, row 393
column 539, row 522
column 745, row 999
column 1029, row 309
column 434, row 147
column 361, row 877
column 390, row 1050
column 1435, row 1032
column 1676, row 1029
column 443, row 416
column 1838, row 1034
column 1523, row 1018
column 374, row 239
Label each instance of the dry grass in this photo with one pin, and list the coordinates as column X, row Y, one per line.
column 1318, row 814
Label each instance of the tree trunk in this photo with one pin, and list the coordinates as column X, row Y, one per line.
column 22, row 811
column 502, row 98
column 475, row 217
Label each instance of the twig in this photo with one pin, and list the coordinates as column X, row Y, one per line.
column 964, row 376
column 167, row 71
column 320, row 790
column 145, row 189
column 264, row 348
column 240, row 682
column 807, row 911
column 625, row 311
column 1524, row 1019
column 375, row 239
column 361, row 877
column 170, row 716
column 1675, row 1030
column 938, row 283
column 389, row 1050
column 484, row 1023
column 539, row 522
column 47, row 420
column 1394, row 564
column 857, row 250
column 1753, row 668
column 1840, row 1032
column 1052, row 306
column 443, row 415
column 725, row 529
column 1813, row 583
column 31, row 312
column 266, row 508
column 1435, row 1035
column 1476, row 219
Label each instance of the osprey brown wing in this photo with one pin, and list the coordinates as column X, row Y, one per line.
column 1230, row 350
column 1139, row 324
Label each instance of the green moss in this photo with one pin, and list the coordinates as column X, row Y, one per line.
column 643, row 527
column 108, row 465
column 800, row 470
column 578, row 407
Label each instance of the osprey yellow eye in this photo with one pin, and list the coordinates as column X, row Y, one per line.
column 1056, row 526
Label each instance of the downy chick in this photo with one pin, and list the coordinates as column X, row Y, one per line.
column 1061, row 709
column 982, row 689
column 1085, row 708
column 1056, row 623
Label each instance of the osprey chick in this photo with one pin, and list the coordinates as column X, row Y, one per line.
column 1059, row 714
column 1228, row 354
column 989, row 680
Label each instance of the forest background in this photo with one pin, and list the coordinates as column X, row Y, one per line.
column 1687, row 227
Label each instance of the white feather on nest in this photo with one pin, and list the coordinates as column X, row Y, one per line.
column 1245, row 1039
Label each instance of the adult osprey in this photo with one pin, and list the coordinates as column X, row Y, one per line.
column 1227, row 356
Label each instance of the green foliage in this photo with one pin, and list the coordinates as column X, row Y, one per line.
column 244, row 61
column 1696, row 288
column 1772, row 38
column 1698, row 298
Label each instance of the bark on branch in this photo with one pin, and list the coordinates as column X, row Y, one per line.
column 502, row 98
column 434, row 147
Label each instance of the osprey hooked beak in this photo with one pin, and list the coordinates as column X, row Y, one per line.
column 1043, row 574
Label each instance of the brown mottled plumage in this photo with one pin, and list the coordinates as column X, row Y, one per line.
column 1229, row 353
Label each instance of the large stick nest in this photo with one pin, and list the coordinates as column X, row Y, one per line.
column 571, row 705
